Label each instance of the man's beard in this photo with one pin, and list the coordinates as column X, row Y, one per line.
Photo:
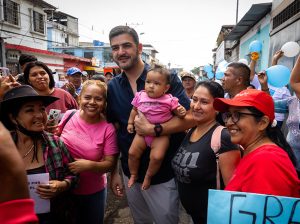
column 132, row 62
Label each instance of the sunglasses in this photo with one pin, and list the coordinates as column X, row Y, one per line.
column 235, row 116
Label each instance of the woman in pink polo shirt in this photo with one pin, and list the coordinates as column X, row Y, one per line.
column 92, row 143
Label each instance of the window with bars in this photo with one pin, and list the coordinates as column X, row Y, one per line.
column 286, row 14
column 38, row 22
column 69, row 52
column 11, row 12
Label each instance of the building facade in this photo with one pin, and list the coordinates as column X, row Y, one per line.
column 284, row 27
column 24, row 30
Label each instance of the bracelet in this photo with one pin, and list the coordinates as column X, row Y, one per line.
column 265, row 90
column 130, row 123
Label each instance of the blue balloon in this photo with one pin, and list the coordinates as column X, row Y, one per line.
column 210, row 75
column 219, row 75
column 207, row 68
column 278, row 75
column 255, row 46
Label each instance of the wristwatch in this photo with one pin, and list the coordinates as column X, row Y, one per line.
column 158, row 130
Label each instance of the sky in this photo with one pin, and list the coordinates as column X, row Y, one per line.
column 184, row 32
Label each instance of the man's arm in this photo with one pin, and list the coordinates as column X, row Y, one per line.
column 252, row 69
column 276, row 57
column 13, row 175
column 254, row 57
column 15, row 204
column 176, row 124
column 263, row 80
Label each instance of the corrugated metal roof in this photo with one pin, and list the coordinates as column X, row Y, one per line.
column 255, row 14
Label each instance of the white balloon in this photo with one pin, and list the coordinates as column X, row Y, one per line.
column 290, row 49
column 222, row 66
column 244, row 61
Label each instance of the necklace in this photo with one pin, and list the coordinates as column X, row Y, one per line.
column 29, row 151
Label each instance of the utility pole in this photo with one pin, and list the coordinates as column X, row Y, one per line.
column 2, row 53
column 237, row 12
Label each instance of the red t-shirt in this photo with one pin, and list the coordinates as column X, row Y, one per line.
column 66, row 101
column 17, row 212
column 266, row 170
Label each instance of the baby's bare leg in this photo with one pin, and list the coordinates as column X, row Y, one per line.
column 159, row 148
column 136, row 150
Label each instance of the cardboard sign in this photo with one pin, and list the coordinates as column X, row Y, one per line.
column 40, row 205
column 229, row 207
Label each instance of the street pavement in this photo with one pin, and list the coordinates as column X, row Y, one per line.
column 118, row 212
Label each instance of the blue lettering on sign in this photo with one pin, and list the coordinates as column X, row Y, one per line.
column 228, row 207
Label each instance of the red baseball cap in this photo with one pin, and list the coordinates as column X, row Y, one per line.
column 248, row 98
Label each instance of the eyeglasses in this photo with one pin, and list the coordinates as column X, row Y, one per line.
column 235, row 116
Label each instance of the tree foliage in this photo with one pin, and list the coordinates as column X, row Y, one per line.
column 196, row 70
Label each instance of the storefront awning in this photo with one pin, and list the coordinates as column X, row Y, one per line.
column 90, row 68
column 255, row 14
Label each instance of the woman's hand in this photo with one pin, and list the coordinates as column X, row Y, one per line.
column 7, row 83
column 52, row 127
column 116, row 184
column 80, row 165
column 55, row 187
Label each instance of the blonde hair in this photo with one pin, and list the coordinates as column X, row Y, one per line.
column 98, row 83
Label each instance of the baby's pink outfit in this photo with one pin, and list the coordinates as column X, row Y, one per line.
column 156, row 110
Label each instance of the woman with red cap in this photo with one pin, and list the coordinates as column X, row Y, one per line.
column 268, row 164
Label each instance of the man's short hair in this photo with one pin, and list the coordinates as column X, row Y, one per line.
column 118, row 30
column 241, row 70
column 25, row 58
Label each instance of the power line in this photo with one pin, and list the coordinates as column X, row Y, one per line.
column 51, row 41
column 29, row 19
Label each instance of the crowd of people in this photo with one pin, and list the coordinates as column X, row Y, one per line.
column 176, row 138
